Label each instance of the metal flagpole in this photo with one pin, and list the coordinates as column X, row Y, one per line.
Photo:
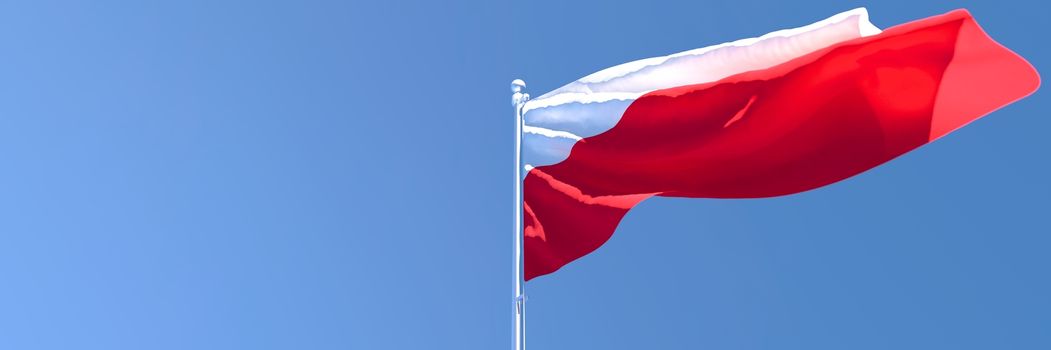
column 518, row 100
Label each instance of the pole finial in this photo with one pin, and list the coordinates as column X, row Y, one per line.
column 517, row 85
column 519, row 98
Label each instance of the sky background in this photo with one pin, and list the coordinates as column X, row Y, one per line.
column 338, row 175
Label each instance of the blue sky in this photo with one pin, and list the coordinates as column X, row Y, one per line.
column 337, row 175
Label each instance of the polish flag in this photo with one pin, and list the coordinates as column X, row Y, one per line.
column 783, row 113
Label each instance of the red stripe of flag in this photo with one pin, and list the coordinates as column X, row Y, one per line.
column 807, row 123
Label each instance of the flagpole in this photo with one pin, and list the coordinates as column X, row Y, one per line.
column 518, row 100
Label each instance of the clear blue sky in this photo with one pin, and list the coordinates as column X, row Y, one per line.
column 337, row 175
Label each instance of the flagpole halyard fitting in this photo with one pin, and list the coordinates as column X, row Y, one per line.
column 518, row 100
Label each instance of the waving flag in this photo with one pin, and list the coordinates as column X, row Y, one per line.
column 786, row 112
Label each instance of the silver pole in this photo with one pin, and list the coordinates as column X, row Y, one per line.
column 518, row 100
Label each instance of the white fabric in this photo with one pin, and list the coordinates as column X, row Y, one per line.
column 595, row 103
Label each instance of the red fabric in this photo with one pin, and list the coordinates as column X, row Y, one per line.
column 804, row 124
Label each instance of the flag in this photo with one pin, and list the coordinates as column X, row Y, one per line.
column 783, row 113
